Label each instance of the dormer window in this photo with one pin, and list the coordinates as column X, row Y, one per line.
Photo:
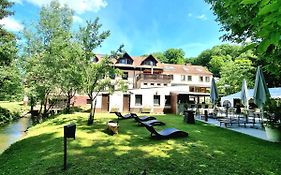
column 125, row 61
column 149, row 62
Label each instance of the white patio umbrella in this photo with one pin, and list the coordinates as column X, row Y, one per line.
column 261, row 92
column 214, row 92
column 244, row 94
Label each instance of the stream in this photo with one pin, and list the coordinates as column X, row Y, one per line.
column 12, row 132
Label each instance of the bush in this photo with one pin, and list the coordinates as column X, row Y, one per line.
column 6, row 115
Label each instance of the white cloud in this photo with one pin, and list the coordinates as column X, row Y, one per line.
column 77, row 19
column 202, row 17
column 11, row 24
column 79, row 6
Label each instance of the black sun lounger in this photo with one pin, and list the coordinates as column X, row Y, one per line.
column 166, row 133
column 120, row 116
column 145, row 118
column 152, row 123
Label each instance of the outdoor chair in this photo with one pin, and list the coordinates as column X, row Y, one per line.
column 166, row 133
column 120, row 116
column 144, row 118
column 151, row 122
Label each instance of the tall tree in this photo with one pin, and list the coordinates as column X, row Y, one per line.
column 232, row 74
column 10, row 78
column 96, row 76
column 43, row 52
column 257, row 20
column 215, row 57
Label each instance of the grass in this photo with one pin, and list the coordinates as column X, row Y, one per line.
column 207, row 150
column 14, row 107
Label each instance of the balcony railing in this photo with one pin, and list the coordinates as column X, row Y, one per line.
column 154, row 77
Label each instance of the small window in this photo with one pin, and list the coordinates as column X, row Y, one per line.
column 125, row 76
column 165, row 84
column 156, row 100
column 89, row 101
column 158, row 84
column 191, row 89
column 167, row 100
column 125, row 61
column 149, row 62
column 207, row 79
column 189, row 78
column 145, row 84
column 201, row 79
column 152, row 84
column 138, row 100
column 182, row 77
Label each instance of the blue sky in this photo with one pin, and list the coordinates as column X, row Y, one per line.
column 143, row 26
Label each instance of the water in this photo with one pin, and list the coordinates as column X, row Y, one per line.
column 12, row 132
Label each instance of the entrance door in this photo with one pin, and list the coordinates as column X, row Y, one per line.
column 126, row 103
column 105, row 103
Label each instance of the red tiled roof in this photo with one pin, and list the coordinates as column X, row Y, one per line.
column 167, row 68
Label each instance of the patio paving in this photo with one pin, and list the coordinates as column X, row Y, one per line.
column 256, row 131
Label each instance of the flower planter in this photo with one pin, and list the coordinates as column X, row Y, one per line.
column 273, row 134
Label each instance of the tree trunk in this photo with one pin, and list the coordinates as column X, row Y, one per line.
column 91, row 117
column 69, row 97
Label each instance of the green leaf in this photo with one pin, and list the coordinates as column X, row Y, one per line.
column 249, row 1
column 249, row 47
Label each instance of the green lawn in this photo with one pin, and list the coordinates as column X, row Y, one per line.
column 207, row 150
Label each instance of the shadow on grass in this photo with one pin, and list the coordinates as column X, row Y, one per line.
column 207, row 150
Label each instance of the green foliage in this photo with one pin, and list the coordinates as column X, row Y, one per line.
column 258, row 20
column 233, row 73
column 11, row 87
column 96, row 76
column 48, row 53
column 171, row 56
column 272, row 109
column 6, row 115
column 160, row 56
column 217, row 56
column 207, row 150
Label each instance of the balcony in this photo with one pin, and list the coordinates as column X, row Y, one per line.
column 155, row 77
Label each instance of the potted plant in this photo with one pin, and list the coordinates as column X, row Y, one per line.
column 272, row 112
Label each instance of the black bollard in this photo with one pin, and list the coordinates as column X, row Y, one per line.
column 69, row 132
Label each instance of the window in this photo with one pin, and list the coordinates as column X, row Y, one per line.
column 189, row 78
column 207, row 79
column 138, row 100
column 145, row 84
column 201, row 79
column 152, row 84
column 191, row 89
column 165, row 84
column 158, row 84
column 149, row 62
column 182, row 77
column 156, row 100
column 167, row 100
column 125, row 76
column 125, row 61
column 89, row 101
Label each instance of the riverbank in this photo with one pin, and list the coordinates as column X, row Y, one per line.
column 13, row 132
column 207, row 150
column 10, row 111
